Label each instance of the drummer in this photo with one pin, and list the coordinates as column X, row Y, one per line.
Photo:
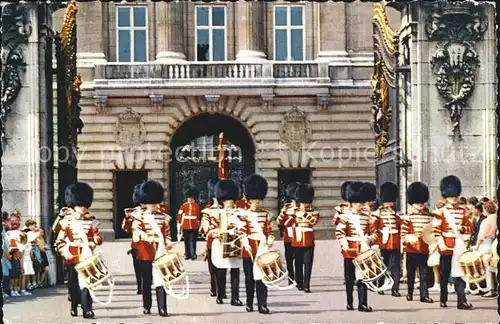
column 286, row 223
column 352, row 242
column 414, row 244
column 151, row 244
column 259, row 234
column 73, row 248
column 449, row 225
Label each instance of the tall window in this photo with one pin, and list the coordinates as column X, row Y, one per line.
column 289, row 33
column 210, row 33
column 132, row 34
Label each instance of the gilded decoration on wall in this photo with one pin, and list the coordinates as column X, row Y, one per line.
column 455, row 62
column 386, row 42
column 130, row 130
column 295, row 129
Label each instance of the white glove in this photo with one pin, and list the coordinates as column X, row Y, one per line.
column 442, row 246
column 474, row 248
column 67, row 255
column 411, row 238
column 92, row 245
column 150, row 239
column 375, row 247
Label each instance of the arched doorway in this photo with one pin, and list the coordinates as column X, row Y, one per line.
column 194, row 154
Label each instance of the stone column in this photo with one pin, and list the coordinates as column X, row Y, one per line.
column 332, row 32
column 170, row 41
column 89, row 20
column 250, row 31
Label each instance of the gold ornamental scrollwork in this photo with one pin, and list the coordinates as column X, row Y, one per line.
column 295, row 129
column 381, row 109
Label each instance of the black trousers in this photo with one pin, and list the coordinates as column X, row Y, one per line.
column 212, row 270
column 444, row 277
column 418, row 261
column 251, row 285
column 289, row 260
column 190, row 237
column 137, row 268
column 350, row 281
column 78, row 296
column 147, row 281
column 392, row 260
column 304, row 257
column 235, row 283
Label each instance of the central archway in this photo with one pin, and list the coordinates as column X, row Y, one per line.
column 197, row 138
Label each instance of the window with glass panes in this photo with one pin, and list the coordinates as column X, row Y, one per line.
column 132, row 34
column 210, row 33
column 289, row 33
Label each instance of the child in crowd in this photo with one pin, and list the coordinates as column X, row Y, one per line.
column 41, row 261
column 27, row 269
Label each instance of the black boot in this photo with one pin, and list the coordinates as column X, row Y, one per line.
column 249, row 308
column 427, row 300
column 88, row 314
column 219, row 301
column 264, row 310
column 365, row 308
column 409, row 297
column 74, row 312
column 464, row 305
column 146, row 311
column 443, row 304
column 396, row 294
column 236, row 302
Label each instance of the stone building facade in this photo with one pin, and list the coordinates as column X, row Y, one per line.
column 291, row 78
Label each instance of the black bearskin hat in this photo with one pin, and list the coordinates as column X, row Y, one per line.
column 418, row 193
column 136, row 196
column 290, row 190
column 211, row 187
column 79, row 194
column 151, row 192
column 369, row 192
column 255, row 187
column 190, row 191
column 343, row 190
column 226, row 190
column 389, row 192
column 304, row 193
column 450, row 186
column 354, row 192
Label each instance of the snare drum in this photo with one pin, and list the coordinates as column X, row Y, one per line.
column 271, row 266
column 170, row 267
column 472, row 266
column 371, row 266
column 93, row 270
column 231, row 245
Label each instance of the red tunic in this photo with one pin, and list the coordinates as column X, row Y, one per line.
column 130, row 215
column 285, row 220
column 209, row 221
column 189, row 216
column 388, row 217
column 69, row 242
column 349, row 239
column 262, row 220
column 242, row 203
column 145, row 236
column 443, row 231
column 303, row 222
column 413, row 224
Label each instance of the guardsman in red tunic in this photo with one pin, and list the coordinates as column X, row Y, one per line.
column 303, row 236
column 389, row 232
column 258, row 231
column 64, row 213
column 189, row 218
column 343, row 207
column 286, row 221
column 151, row 232
column 130, row 215
column 450, row 224
column 74, row 247
column 352, row 242
column 417, row 251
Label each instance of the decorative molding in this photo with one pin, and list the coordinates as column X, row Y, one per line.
column 130, row 130
column 100, row 102
column 295, row 130
column 15, row 31
column 157, row 102
column 267, row 101
column 323, row 101
column 455, row 65
column 212, row 102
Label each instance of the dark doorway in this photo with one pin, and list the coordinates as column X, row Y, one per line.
column 123, row 188
column 286, row 176
column 194, row 155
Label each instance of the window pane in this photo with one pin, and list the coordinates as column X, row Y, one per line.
column 140, row 46
column 219, row 45
column 218, row 16
column 202, row 16
column 203, row 45
column 297, row 45
column 140, row 17
column 280, row 16
column 123, row 46
column 296, row 16
column 123, row 17
column 280, row 45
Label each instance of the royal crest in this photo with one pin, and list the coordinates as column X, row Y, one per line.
column 295, row 129
column 130, row 130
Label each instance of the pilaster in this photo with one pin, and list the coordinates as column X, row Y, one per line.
column 170, row 22
column 250, row 32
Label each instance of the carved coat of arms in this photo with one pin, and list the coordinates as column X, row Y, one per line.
column 130, row 130
column 295, row 129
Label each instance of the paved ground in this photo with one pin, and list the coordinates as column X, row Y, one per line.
column 326, row 303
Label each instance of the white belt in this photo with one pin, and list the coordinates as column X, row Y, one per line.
column 303, row 229
column 393, row 231
column 189, row 217
column 354, row 239
column 448, row 234
column 75, row 244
